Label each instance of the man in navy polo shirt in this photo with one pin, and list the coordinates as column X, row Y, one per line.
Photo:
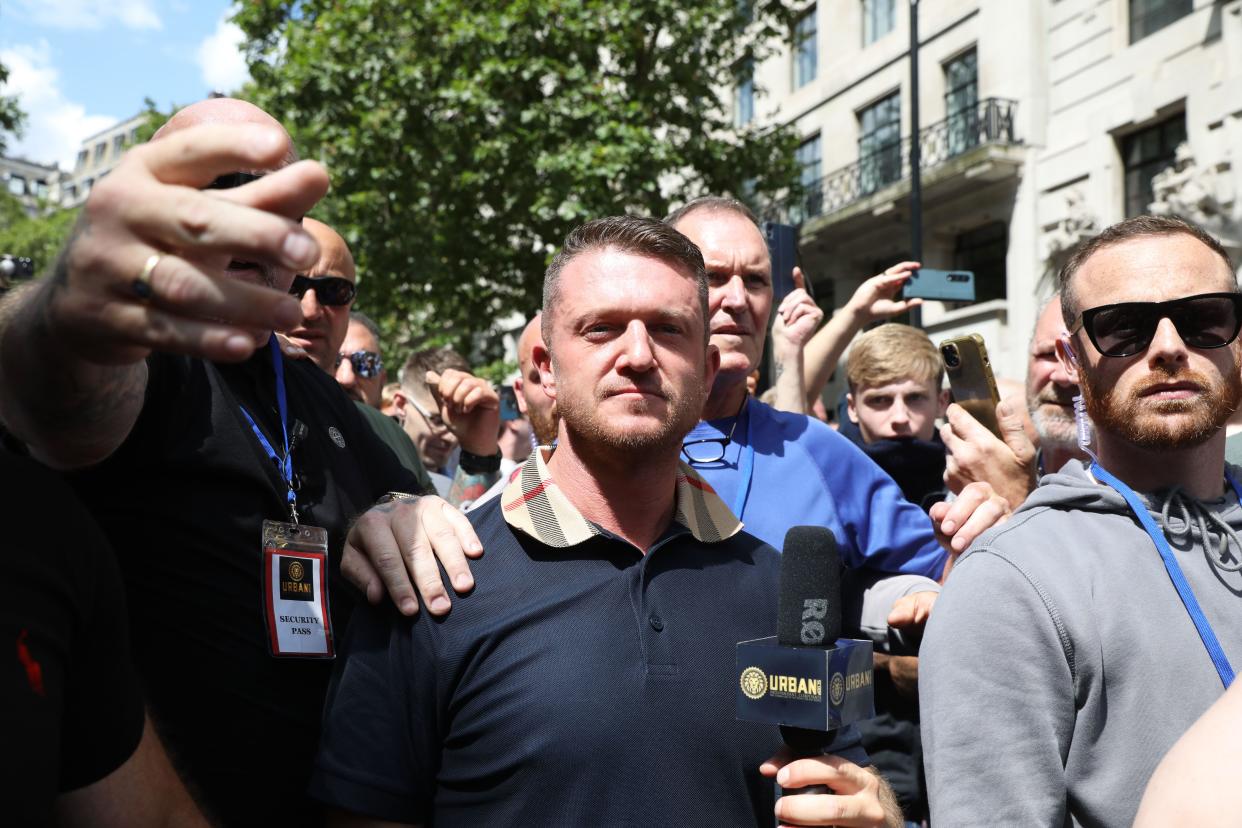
column 588, row 679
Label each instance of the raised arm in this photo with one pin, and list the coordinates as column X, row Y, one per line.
column 144, row 270
column 872, row 301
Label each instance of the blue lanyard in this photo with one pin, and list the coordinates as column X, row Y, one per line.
column 745, row 465
column 285, row 463
column 1215, row 651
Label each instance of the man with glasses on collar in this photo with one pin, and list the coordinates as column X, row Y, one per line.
column 235, row 485
column 1074, row 645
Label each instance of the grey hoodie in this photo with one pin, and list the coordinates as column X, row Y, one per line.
column 1059, row 664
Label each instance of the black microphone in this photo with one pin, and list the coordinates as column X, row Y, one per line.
column 806, row 679
column 809, row 615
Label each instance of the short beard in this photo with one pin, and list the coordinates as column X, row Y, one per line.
column 592, row 436
column 1055, row 430
column 545, row 427
column 1147, row 423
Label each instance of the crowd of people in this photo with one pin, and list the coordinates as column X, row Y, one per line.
column 254, row 582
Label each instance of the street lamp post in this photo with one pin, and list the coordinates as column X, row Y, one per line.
column 916, row 178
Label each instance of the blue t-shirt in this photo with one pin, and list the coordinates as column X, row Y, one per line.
column 782, row 470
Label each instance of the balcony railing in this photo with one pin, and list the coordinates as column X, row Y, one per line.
column 990, row 121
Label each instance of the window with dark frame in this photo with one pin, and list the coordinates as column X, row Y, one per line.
column 983, row 251
column 1146, row 153
column 1149, row 16
column 810, row 155
column 744, row 93
column 961, row 102
column 879, row 144
column 806, row 48
column 879, row 18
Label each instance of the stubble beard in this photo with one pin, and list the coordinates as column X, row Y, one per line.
column 1150, row 423
column 592, row 432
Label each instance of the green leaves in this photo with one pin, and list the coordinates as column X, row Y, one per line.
column 466, row 140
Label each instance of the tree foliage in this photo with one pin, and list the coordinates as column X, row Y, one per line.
column 465, row 140
column 38, row 237
column 12, row 118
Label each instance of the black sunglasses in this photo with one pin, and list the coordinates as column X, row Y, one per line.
column 329, row 290
column 1209, row 320
column 367, row 364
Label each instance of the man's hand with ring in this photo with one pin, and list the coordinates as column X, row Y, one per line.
column 148, row 267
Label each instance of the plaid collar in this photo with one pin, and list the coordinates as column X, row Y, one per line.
column 533, row 504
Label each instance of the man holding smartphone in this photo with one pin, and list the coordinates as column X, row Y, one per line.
column 1074, row 645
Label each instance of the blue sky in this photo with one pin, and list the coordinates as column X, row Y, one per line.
column 78, row 66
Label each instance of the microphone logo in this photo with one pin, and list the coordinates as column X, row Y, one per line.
column 836, row 688
column 813, row 612
column 754, row 683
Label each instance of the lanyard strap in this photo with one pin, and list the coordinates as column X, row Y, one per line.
column 745, row 464
column 285, row 462
column 1208, row 636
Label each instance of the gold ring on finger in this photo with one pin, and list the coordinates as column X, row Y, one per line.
column 142, row 285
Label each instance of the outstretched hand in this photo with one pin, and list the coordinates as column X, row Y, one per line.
column 875, row 299
column 151, row 206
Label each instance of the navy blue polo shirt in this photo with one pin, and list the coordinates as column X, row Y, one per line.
column 581, row 682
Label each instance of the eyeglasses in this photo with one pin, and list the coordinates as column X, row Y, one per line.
column 329, row 290
column 366, row 364
column 709, row 449
column 1210, row 320
column 435, row 421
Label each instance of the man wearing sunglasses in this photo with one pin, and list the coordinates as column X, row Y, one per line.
column 144, row 363
column 1073, row 646
column 326, row 291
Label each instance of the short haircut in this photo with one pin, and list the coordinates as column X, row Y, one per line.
column 414, row 372
column 715, row 204
column 893, row 353
column 1122, row 231
column 627, row 234
column 366, row 322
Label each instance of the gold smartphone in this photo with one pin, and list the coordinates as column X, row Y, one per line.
column 965, row 360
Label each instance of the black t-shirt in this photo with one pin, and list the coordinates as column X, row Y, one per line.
column 183, row 501
column 585, row 685
column 70, row 708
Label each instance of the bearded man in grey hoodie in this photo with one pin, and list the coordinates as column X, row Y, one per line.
column 1073, row 645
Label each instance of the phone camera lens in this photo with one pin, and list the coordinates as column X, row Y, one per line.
column 950, row 356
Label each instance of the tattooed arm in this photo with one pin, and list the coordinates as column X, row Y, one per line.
column 69, row 411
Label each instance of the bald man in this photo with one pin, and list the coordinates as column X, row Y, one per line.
column 534, row 404
column 326, row 290
column 208, row 459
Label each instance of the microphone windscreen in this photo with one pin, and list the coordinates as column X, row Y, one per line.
column 810, row 598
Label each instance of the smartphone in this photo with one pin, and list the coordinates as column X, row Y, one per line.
column 944, row 285
column 508, row 403
column 783, row 248
column 965, row 360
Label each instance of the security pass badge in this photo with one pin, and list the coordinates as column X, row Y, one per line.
column 295, row 591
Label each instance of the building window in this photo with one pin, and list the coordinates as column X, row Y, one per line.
column 961, row 102
column 82, row 156
column 69, row 194
column 133, row 136
column 1146, row 153
column 17, row 185
column 805, row 48
column 1148, row 16
column 879, row 143
column 810, row 155
column 101, row 149
column 983, row 250
column 879, row 18
column 86, row 186
column 744, row 94
column 118, row 145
